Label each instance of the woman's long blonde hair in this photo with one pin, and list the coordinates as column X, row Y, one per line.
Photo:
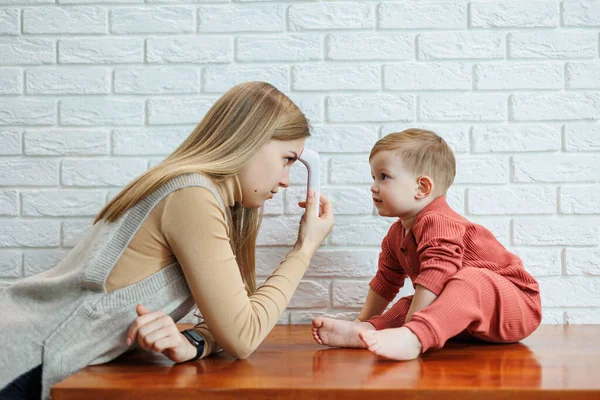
column 222, row 144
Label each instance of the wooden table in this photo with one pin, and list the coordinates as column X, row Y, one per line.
column 556, row 362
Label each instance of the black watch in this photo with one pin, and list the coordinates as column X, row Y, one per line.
column 196, row 340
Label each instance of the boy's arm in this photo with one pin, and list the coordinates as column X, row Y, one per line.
column 375, row 305
column 423, row 297
column 390, row 275
column 440, row 248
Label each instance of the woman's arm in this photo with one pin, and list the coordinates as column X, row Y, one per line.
column 195, row 229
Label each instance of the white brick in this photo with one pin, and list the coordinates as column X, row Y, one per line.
column 147, row 142
column 101, row 111
column 157, row 80
column 570, row 292
column 27, row 2
column 9, row 21
column 279, row 48
column 9, row 203
column 268, row 259
column 580, row 200
column 278, row 231
column 10, row 264
column 66, row 142
column 375, row 107
column 552, row 44
column 552, row 317
column 338, row 15
column 21, row 172
column 559, row 106
column 310, row 294
column 102, row 1
column 516, row 138
column 556, row 168
column 11, row 81
column 585, row 75
column 370, row 46
column 487, row 170
column 346, row 200
column 29, row 233
column 27, row 111
column 555, row 231
column 342, row 138
column 582, row 137
column 152, row 20
column 52, row 80
column 518, row 76
column 350, row 231
column 449, row 45
column 221, row 79
column 310, row 105
column 349, row 294
column 73, row 231
column 101, row 50
column 240, row 18
column 62, row 203
column 427, row 76
column 582, row 261
column 306, row 317
column 350, row 170
column 456, row 136
column 427, row 15
column 274, row 206
column 512, row 200
column 463, row 107
column 64, row 20
column 27, row 51
column 189, row 49
column 352, row 263
column 513, row 14
column 101, row 172
column 581, row 12
column 178, row 111
column 588, row 317
column 10, row 143
column 456, row 199
column 37, row 261
column 336, row 77
column 498, row 226
column 540, row 262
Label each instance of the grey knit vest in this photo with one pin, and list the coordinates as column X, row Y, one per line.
column 64, row 319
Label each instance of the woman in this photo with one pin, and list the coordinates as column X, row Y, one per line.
column 183, row 233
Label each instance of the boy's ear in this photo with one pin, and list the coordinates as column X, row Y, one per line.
column 425, row 187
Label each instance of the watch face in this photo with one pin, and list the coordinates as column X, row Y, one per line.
column 195, row 335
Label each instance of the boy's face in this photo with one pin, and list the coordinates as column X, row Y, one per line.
column 394, row 189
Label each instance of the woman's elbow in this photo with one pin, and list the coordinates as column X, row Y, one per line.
column 241, row 351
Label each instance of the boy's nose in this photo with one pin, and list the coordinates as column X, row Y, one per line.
column 373, row 188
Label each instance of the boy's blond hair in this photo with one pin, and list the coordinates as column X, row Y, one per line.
column 422, row 152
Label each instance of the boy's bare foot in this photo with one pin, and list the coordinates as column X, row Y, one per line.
column 339, row 333
column 395, row 343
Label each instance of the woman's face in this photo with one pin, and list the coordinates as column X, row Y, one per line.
column 268, row 170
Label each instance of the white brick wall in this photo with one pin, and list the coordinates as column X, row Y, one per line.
column 94, row 92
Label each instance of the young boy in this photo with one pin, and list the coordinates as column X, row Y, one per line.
column 465, row 281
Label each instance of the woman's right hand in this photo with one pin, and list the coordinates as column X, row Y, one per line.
column 314, row 229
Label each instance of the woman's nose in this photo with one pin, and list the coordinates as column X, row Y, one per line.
column 285, row 180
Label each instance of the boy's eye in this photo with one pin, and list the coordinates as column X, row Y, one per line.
column 383, row 176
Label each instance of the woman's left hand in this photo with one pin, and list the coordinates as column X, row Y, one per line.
column 157, row 331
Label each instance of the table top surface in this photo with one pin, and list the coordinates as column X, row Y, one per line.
column 557, row 360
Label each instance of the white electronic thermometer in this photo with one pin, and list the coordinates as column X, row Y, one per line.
column 311, row 159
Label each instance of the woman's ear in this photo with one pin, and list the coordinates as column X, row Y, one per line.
column 425, row 187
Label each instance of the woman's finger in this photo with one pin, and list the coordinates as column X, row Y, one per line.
column 140, row 323
column 149, row 340
column 327, row 205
